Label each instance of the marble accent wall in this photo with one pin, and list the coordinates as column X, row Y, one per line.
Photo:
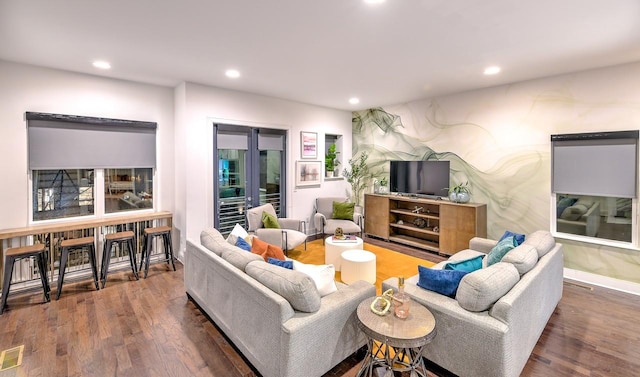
column 498, row 139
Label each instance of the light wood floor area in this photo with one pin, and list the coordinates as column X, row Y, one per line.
column 149, row 328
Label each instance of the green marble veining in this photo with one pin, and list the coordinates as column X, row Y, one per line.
column 498, row 140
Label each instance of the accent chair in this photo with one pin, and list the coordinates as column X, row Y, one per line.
column 292, row 232
column 326, row 223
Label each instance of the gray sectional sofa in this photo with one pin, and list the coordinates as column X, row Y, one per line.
column 499, row 312
column 274, row 316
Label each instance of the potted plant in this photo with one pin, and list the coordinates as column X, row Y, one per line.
column 460, row 193
column 383, row 185
column 330, row 160
column 357, row 176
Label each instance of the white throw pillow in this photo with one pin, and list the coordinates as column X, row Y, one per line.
column 323, row 275
column 237, row 232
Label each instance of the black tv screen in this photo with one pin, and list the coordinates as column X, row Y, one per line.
column 419, row 177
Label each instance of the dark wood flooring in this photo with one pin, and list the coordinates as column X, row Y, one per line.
column 150, row 328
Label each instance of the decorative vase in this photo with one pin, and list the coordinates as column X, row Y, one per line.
column 460, row 197
column 329, row 174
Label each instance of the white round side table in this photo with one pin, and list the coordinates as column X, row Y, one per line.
column 333, row 249
column 358, row 265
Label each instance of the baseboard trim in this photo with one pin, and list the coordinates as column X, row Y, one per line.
column 602, row 281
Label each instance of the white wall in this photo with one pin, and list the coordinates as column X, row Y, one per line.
column 28, row 88
column 202, row 105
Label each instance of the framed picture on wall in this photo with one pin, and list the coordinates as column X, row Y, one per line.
column 309, row 144
column 308, row 173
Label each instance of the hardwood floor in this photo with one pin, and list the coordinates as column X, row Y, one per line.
column 150, row 328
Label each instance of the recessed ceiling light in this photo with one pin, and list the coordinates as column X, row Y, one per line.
column 354, row 101
column 102, row 64
column 492, row 70
column 232, row 73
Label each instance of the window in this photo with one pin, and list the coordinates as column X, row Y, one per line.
column 67, row 153
column 62, row 193
column 594, row 185
column 333, row 155
column 128, row 189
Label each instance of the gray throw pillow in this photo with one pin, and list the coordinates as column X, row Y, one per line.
column 294, row 286
column 480, row 289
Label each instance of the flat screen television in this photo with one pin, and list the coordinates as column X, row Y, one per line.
column 419, row 177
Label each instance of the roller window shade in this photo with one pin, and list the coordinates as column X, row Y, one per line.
column 238, row 141
column 595, row 166
column 69, row 142
column 270, row 142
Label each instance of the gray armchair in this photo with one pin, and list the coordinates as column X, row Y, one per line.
column 292, row 232
column 326, row 224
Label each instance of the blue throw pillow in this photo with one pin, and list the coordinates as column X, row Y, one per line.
column 444, row 282
column 468, row 265
column 244, row 245
column 500, row 250
column 519, row 237
column 282, row 263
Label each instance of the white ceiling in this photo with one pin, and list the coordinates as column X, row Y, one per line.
column 323, row 52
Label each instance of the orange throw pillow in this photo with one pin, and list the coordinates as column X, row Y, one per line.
column 266, row 250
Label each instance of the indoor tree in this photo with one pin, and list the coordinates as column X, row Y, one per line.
column 357, row 176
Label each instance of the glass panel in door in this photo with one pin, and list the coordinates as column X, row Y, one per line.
column 232, row 186
column 270, row 174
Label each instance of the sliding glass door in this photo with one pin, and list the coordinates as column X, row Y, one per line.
column 249, row 171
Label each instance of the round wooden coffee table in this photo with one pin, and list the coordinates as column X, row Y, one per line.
column 393, row 343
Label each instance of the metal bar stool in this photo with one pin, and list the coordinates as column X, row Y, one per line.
column 119, row 238
column 149, row 235
column 76, row 243
column 16, row 253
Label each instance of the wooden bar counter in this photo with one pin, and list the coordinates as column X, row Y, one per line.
column 52, row 233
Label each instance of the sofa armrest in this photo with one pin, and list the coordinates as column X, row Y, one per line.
column 475, row 337
column 358, row 218
column 272, row 236
column 331, row 334
column 482, row 244
column 319, row 220
column 293, row 224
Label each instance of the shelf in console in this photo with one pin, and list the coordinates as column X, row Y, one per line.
column 415, row 242
column 409, row 212
column 414, row 228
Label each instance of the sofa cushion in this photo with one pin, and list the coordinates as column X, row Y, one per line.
column 500, row 250
column 294, row 286
column 480, row 289
column 266, row 250
column 323, row 276
column 444, row 282
column 523, row 257
column 213, row 240
column 519, row 237
column 468, row 265
column 288, row 264
column 343, row 211
column 542, row 240
column 239, row 258
column 269, row 220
